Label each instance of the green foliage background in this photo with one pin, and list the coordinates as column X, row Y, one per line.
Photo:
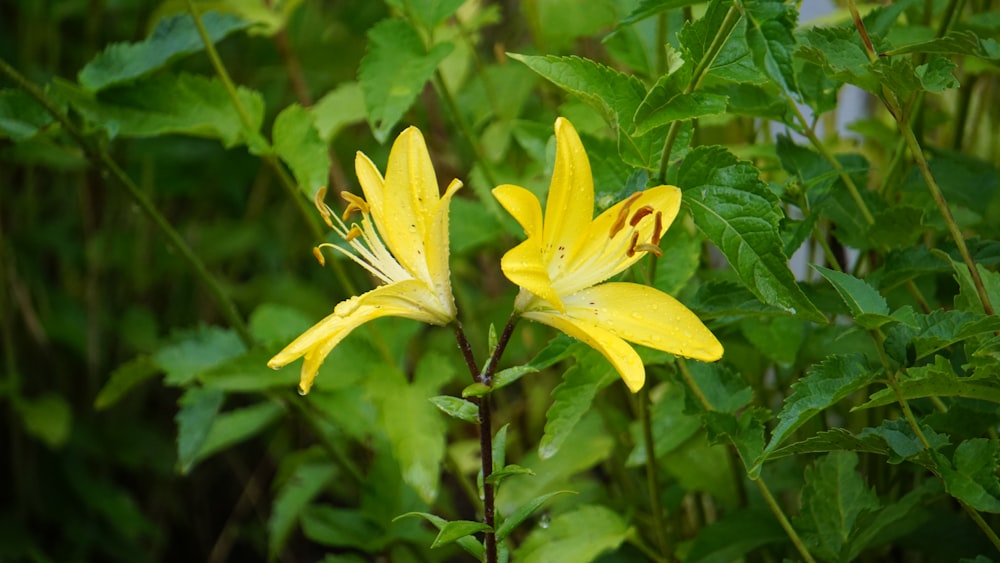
column 156, row 220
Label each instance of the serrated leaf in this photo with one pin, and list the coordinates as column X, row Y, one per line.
column 839, row 52
column 393, row 72
column 162, row 104
column 342, row 106
column 457, row 529
column 735, row 535
column 457, row 408
column 291, row 498
column 760, row 101
column 834, row 499
column 938, row 380
column 867, row 305
column 963, row 42
column 740, row 216
column 770, row 28
column 734, row 62
column 937, row 74
column 522, row 513
column 125, row 378
column 580, row 536
column 571, row 399
column 972, row 474
column 745, row 431
column 237, row 425
column 723, row 299
column 824, row 385
column 173, row 38
column 903, row 442
column 469, row 544
column 297, row 142
column 897, row 226
column 198, row 408
column 724, row 389
column 833, row 440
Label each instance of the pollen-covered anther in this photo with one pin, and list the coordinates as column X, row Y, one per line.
column 354, row 203
column 632, row 245
column 318, row 253
column 657, row 228
column 323, row 208
column 650, row 248
column 643, row 211
column 623, row 213
column 352, row 234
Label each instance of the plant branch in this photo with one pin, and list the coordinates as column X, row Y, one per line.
column 652, row 476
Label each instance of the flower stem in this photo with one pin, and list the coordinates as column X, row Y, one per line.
column 652, row 475
column 485, row 377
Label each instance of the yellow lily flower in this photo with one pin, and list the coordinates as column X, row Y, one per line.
column 569, row 253
column 402, row 240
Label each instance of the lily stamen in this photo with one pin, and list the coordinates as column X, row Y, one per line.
column 639, row 214
column 619, row 223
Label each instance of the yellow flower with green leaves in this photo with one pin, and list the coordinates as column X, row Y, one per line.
column 402, row 241
column 569, row 253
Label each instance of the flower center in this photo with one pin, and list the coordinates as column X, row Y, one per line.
column 633, row 219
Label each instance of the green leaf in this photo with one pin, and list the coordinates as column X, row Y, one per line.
column 937, row 74
column 723, row 299
column 740, row 216
column 734, row 62
column 271, row 322
column 615, row 95
column 47, row 417
column 745, row 431
column 839, row 52
column 897, row 226
column 682, row 248
column 972, row 474
column 297, row 142
column 165, row 104
column 667, row 101
column 198, row 408
column 760, row 101
column 903, row 442
column 21, row 117
column 293, row 496
column 508, row 471
column 937, row 380
column 522, row 513
column 428, row 12
column 895, row 520
column 579, row 536
column 125, row 378
column 735, row 535
column 249, row 373
column 342, row 106
column 770, row 28
column 953, row 43
column 173, row 38
column 724, row 389
column 457, row 408
column 415, row 430
column 834, row 499
column 195, row 352
column 824, row 385
column 456, row 530
column 393, row 72
column 468, row 543
column 571, row 399
column 778, row 338
column 341, row 527
column 867, row 305
column 968, row 297
column 232, row 427
column 834, row 440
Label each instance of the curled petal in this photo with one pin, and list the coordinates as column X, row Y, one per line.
column 646, row 316
column 408, row 299
column 522, row 206
column 622, row 356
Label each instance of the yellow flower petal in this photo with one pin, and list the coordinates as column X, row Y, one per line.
column 525, row 264
column 406, row 299
column 570, row 204
column 522, row 206
column 622, row 356
column 437, row 245
column 604, row 250
column 646, row 316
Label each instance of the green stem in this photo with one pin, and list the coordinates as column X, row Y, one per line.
column 102, row 158
column 652, row 477
column 699, row 73
column 465, row 128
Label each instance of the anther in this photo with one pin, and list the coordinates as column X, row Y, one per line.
column 650, row 248
column 619, row 223
column 639, row 214
column 352, row 234
column 319, row 256
column 354, row 203
column 658, row 228
column 323, row 208
column 631, row 246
